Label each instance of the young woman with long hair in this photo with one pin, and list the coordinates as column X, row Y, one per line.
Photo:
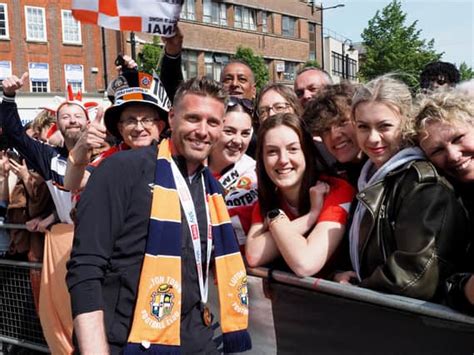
column 301, row 214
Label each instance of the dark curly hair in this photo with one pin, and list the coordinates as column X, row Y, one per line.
column 330, row 105
column 432, row 71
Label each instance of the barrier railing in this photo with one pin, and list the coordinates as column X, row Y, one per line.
column 19, row 323
column 301, row 312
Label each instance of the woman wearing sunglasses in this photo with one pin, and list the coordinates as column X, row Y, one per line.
column 233, row 168
column 300, row 217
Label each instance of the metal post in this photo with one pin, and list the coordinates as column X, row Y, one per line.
column 343, row 58
column 322, row 40
column 104, row 58
column 132, row 45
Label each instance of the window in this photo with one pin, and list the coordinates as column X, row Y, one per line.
column 288, row 26
column 214, row 63
column 214, row 12
column 3, row 21
column 345, row 68
column 74, row 75
column 39, row 77
column 5, row 69
column 312, row 41
column 39, row 86
column 264, row 22
column 189, row 64
column 188, row 11
column 290, row 71
column 35, row 24
column 71, row 28
column 245, row 18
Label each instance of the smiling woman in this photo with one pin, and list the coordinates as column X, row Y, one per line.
column 409, row 232
column 301, row 214
column 233, row 168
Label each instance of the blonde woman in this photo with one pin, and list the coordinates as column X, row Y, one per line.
column 408, row 231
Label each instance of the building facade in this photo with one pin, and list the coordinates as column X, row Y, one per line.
column 341, row 58
column 287, row 33
column 42, row 38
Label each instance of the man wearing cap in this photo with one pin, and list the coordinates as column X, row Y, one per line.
column 137, row 118
column 50, row 163
column 146, row 225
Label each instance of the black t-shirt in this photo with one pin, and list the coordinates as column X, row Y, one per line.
column 109, row 245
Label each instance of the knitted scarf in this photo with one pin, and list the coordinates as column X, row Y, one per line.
column 157, row 315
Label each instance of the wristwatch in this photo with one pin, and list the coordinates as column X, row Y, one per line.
column 274, row 215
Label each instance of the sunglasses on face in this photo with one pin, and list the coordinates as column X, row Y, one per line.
column 246, row 104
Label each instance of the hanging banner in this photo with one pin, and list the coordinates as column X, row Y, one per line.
column 158, row 17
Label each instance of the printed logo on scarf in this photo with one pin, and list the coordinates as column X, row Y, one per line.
column 238, row 282
column 163, row 296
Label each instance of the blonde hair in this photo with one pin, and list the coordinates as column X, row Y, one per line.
column 392, row 92
column 450, row 107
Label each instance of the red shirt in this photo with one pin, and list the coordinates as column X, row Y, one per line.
column 335, row 207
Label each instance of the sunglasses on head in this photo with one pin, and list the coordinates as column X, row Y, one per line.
column 246, row 104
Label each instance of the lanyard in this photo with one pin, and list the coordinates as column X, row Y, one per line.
column 191, row 217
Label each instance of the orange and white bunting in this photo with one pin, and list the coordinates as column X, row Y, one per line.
column 158, row 17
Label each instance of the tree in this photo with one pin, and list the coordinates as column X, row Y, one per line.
column 466, row 72
column 312, row 63
column 392, row 46
column 149, row 56
column 256, row 63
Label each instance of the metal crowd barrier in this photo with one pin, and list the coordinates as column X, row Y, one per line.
column 20, row 326
column 19, row 322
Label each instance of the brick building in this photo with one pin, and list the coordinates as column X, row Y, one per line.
column 41, row 37
column 287, row 33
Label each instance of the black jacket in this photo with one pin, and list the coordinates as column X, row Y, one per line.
column 414, row 233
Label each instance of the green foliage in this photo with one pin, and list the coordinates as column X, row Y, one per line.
column 393, row 46
column 466, row 72
column 256, row 63
column 312, row 63
column 149, row 56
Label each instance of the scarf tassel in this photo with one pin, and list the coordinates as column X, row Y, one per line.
column 236, row 342
column 155, row 349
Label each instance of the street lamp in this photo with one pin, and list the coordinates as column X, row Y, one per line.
column 345, row 58
column 313, row 10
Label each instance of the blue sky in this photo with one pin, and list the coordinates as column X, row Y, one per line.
column 450, row 23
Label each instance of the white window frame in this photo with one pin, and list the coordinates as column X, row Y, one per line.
column 28, row 34
column 215, row 8
column 188, row 11
column 63, row 25
column 48, row 82
column 292, row 22
column 7, row 32
column 245, row 18
column 264, row 22
column 68, row 81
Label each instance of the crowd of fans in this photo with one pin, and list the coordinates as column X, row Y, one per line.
column 364, row 184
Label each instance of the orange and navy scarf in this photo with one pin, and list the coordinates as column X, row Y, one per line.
column 156, row 320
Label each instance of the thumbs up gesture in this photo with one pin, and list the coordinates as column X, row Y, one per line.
column 92, row 137
column 12, row 84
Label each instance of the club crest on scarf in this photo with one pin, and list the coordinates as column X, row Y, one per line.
column 238, row 283
column 162, row 301
column 163, row 295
